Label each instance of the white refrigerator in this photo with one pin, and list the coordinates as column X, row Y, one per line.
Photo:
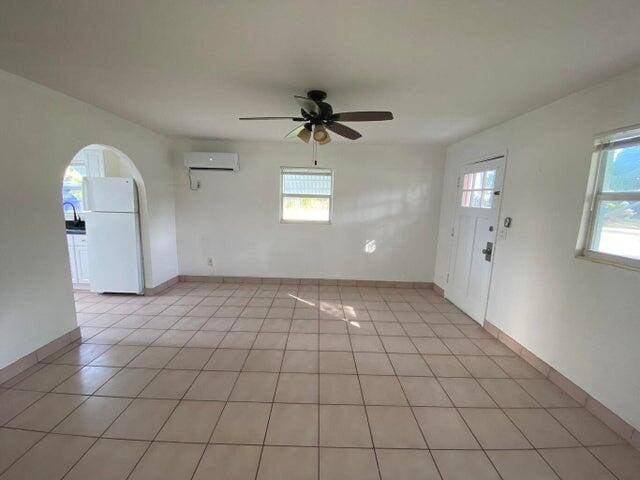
column 113, row 235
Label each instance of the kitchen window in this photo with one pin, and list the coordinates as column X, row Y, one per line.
column 614, row 200
column 87, row 163
column 306, row 195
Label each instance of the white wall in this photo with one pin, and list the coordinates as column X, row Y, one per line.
column 390, row 194
column 580, row 317
column 40, row 132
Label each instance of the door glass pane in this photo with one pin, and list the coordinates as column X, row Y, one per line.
column 617, row 229
column 467, row 181
column 466, row 196
column 306, row 209
column 476, row 199
column 477, row 180
column 487, row 198
column 489, row 178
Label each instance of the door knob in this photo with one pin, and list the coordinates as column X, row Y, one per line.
column 487, row 251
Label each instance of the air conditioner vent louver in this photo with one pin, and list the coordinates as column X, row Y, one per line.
column 225, row 162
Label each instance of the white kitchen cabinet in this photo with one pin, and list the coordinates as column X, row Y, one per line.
column 78, row 258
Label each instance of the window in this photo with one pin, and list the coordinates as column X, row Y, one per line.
column 87, row 163
column 306, row 195
column 614, row 203
column 477, row 189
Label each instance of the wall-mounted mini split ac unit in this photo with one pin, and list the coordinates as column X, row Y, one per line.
column 225, row 162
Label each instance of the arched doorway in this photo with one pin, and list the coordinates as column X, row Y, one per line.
column 108, row 239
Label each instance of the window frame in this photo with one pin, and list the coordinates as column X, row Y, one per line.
column 595, row 196
column 305, row 171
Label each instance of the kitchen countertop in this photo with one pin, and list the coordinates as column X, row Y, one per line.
column 76, row 231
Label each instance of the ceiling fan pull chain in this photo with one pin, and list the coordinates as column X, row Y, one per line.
column 315, row 152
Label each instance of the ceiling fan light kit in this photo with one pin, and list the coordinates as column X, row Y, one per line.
column 318, row 117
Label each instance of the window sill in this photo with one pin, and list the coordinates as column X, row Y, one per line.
column 607, row 261
column 303, row 222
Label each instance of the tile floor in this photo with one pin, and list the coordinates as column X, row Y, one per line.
column 225, row 381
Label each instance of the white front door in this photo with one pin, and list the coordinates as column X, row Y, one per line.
column 474, row 236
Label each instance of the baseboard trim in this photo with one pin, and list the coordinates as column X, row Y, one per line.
column 29, row 360
column 438, row 289
column 600, row 411
column 162, row 287
column 306, row 281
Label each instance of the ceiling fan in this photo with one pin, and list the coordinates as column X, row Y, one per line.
column 318, row 117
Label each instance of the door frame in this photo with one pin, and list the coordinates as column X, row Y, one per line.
column 494, row 156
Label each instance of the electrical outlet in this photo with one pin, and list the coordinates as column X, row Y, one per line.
column 210, row 261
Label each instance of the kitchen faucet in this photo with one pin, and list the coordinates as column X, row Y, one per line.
column 76, row 217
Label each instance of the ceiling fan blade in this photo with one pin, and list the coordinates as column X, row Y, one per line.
column 343, row 130
column 295, row 119
column 363, row 116
column 307, row 105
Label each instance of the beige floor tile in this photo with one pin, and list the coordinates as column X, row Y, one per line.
column 297, row 388
column 270, row 340
column 373, row 364
column 142, row 419
column 275, row 325
column 409, row 365
column 118, row 356
column 168, row 461
column 540, row 428
column 142, row 337
column 128, row 382
column 431, row 346
column 622, row 460
column 424, row 392
column 13, row 443
column 154, row 357
column 394, row 427
column 87, row 380
column 305, row 326
column 218, row 325
column 366, row 343
column 575, row 464
column 93, row 417
column 108, row 460
column 351, row 463
column 190, row 359
column 12, row 402
column 464, row 465
column 382, row 390
column 302, row 341
column 292, row 463
column 406, row 465
column 334, row 342
column 417, row 329
column 254, row 387
column 242, row 423
column 47, row 378
column 339, row 389
column 482, row 366
column 493, row 429
column 50, row 459
column 301, row 361
column 337, row 362
column 264, row 361
column 462, row 346
column 293, row 424
column 228, row 462
column 547, row 394
column 344, row 426
column 446, row 366
column 238, row 340
column 189, row 323
column 388, row 329
column 585, row 427
column 493, row 347
column 174, row 338
column 205, row 339
column 398, row 344
column 212, row 385
column 521, row 465
column 466, row 392
column 47, row 412
column 169, row 384
column 191, row 421
column 110, row 335
column 517, row 367
column 227, row 359
column 82, row 354
column 444, row 428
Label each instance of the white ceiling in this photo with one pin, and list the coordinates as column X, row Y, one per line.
column 446, row 68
